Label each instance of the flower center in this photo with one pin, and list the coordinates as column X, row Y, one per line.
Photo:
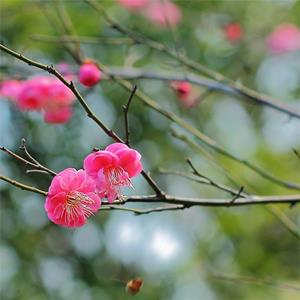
column 76, row 202
column 116, row 178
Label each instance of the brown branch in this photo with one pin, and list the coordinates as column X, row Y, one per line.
column 125, row 110
column 214, row 202
column 203, row 180
column 183, row 201
column 36, row 166
column 23, row 186
column 144, row 211
column 212, row 144
column 81, row 39
column 253, row 280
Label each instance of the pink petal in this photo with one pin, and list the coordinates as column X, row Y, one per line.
column 116, row 147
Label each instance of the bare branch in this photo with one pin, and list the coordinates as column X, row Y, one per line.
column 33, row 163
column 81, row 39
column 38, row 165
column 144, row 211
column 23, row 186
column 183, row 201
column 296, row 153
column 203, row 180
column 125, row 110
column 212, row 144
column 253, row 280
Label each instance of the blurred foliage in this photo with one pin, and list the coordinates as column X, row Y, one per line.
column 175, row 253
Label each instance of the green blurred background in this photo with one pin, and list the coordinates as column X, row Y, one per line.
column 176, row 253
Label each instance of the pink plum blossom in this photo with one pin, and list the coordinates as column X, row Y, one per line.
column 71, row 198
column 113, row 168
column 187, row 95
column 133, row 4
column 58, row 116
column 163, row 12
column 233, row 32
column 64, row 68
column 33, row 93
column 182, row 88
column 89, row 74
column 284, row 38
column 10, row 89
column 41, row 93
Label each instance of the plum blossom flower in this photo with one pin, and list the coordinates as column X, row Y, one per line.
column 33, row 92
column 10, row 89
column 182, row 89
column 41, row 93
column 59, row 115
column 89, row 74
column 112, row 169
column 163, row 13
column 71, row 198
column 284, row 38
column 133, row 4
column 233, row 32
column 185, row 93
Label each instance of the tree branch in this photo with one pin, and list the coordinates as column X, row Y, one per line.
column 212, row 144
column 125, row 110
column 23, row 186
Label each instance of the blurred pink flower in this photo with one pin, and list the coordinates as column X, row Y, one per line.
column 33, row 93
column 185, row 93
column 89, row 74
column 10, row 89
column 233, row 32
column 48, row 94
column 133, row 4
column 285, row 38
column 163, row 12
column 112, row 169
column 182, row 89
column 58, row 116
column 71, row 198
column 64, row 69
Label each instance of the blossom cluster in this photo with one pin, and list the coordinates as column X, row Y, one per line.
column 74, row 195
column 163, row 13
column 285, row 38
column 47, row 94
column 41, row 93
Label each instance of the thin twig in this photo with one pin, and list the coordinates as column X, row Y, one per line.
column 144, row 211
column 253, row 280
column 285, row 220
column 125, row 110
column 27, row 162
column 238, row 195
column 212, row 144
column 296, row 153
column 81, row 39
column 203, row 180
column 23, row 186
column 39, row 166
